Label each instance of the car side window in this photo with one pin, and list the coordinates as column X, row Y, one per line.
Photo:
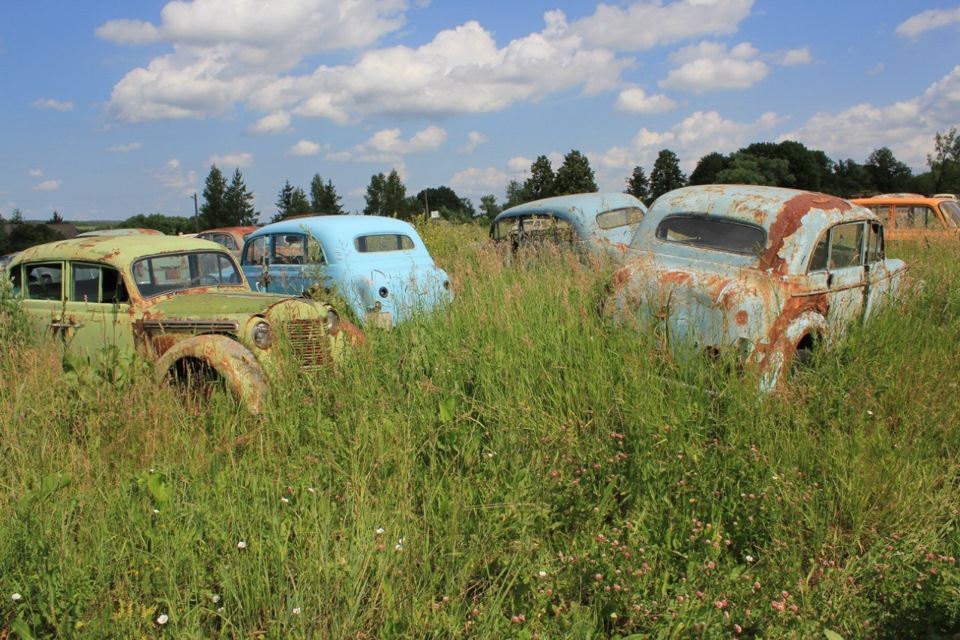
column 256, row 251
column 97, row 283
column 315, row 252
column 289, row 248
column 44, row 281
column 874, row 243
column 842, row 246
column 917, row 217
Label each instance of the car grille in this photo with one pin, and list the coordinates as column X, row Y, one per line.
column 309, row 342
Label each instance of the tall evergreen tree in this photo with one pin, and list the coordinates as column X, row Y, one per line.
column 291, row 201
column 944, row 163
column 540, row 183
column 56, row 218
column 574, row 175
column 666, row 175
column 638, row 186
column 323, row 197
column 213, row 209
column 238, row 204
column 375, row 195
column 395, row 197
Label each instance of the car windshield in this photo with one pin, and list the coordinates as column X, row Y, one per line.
column 712, row 233
column 952, row 209
column 155, row 275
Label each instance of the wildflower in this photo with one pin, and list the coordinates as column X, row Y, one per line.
column 311, row 490
column 156, row 511
column 162, row 619
column 15, row 596
column 285, row 500
column 241, row 545
column 748, row 558
column 380, row 531
column 399, row 546
column 296, row 611
column 542, row 574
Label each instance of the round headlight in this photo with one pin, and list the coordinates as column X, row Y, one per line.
column 262, row 336
column 333, row 321
column 383, row 292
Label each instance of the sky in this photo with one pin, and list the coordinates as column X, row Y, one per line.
column 114, row 108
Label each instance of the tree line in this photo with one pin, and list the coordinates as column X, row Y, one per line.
column 228, row 203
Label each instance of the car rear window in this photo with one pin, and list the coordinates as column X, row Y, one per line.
column 375, row 243
column 712, row 233
column 619, row 217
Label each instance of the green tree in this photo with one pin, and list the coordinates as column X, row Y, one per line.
column 516, row 194
column 638, row 186
column 387, row 196
column 574, row 175
column 238, row 208
column 666, row 175
column 540, row 183
column 887, row 173
column 291, row 201
column 707, row 169
column 944, row 163
column 170, row 225
column 746, row 168
column 17, row 215
column 446, row 201
column 323, row 197
column 56, row 218
column 24, row 235
column 213, row 209
column 849, row 179
column 489, row 207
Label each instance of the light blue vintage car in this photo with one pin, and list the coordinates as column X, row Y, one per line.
column 761, row 273
column 605, row 221
column 379, row 265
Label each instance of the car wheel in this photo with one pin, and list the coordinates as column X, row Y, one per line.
column 197, row 382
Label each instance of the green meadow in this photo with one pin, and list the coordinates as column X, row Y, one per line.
column 514, row 467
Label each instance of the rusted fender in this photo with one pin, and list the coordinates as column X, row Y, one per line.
column 782, row 352
column 230, row 359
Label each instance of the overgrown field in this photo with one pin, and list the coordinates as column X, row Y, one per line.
column 514, row 467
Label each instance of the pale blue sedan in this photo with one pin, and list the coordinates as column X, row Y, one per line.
column 379, row 265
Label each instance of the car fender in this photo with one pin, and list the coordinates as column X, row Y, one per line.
column 785, row 346
column 231, row 360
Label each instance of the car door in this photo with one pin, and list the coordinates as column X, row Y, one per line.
column 40, row 284
column 838, row 263
column 96, row 309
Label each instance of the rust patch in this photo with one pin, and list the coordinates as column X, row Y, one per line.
column 788, row 221
column 741, row 317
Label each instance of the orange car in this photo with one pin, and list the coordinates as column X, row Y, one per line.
column 909, row 215
column 230, row 237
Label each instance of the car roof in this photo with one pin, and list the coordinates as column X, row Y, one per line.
column 578, row 208
column 793, row 219
column 120, row 232
column 338, row 224
column 116, row 250
column 238, row 229
column 900, row 198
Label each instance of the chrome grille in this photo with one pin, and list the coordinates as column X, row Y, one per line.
column 309, row 342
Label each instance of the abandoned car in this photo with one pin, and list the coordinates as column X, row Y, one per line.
column 182, row 303
column 379, row 265
column 584, row 220
column 232, row 238
column 762, row 274
column 910, row 215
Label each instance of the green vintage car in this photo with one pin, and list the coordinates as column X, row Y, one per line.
column 182, row 303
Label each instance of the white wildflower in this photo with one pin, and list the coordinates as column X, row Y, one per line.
column 15, row 596
column 162, row 618
column 241, row 545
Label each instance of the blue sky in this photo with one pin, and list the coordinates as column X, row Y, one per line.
column 113, row 108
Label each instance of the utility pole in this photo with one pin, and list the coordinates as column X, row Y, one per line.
column 196, row 212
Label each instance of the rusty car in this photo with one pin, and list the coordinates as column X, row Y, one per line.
column 183, row 304
column 230, row 237
column 911, row 215
column 379, row 265
column 763, row 275
column 122, row 231
column 604, row 221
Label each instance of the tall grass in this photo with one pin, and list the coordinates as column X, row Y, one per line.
column 512, row 467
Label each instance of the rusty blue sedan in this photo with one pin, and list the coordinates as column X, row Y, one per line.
column 762, row 273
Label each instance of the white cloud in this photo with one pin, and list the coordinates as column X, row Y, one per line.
column 35, row 173
column 519, row 163
column 646, row 24
column 255, row 57
column 876, row 69
column 54, row 105
column 635, row 100
column 794, row 57
column 474, row 140
column 238, row 160
column 276, row 122
column 305, row 148
column 928, row 21
column 709, row 66
column 480, row 181
column 47, row 185
column 906, row 127
column 171, row 176
column 123, row 148
column 386, row 145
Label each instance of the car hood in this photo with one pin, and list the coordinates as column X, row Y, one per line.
column 220, row 304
